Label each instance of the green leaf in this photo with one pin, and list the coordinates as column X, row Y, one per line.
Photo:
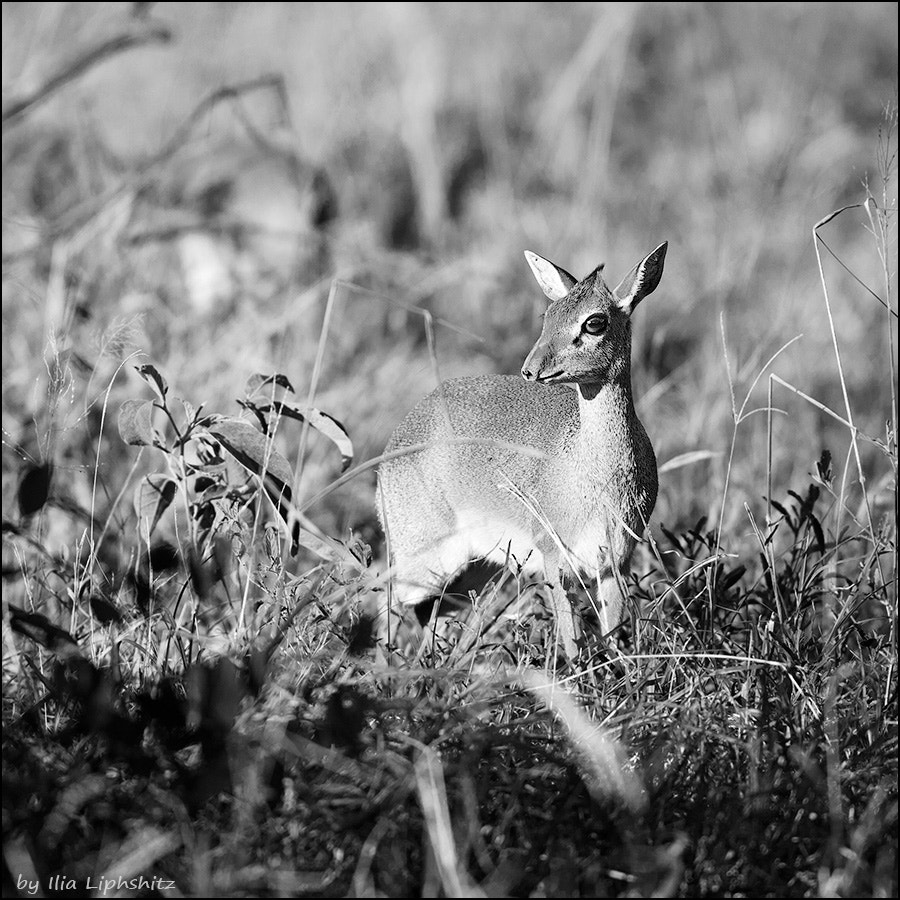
column 823, row 467
column 257, row 382
column 202, row 450
column 818, row 532
column 135, row 423
column 256, row 454
column 673, row 539
column 104, row 611
column 731, row 578
column 190, row 413
column 257, row 411
column 34, row 488
column 42, row 631
column 780, row 508
column 324, row 424
column 152, row 498
column 155, row 380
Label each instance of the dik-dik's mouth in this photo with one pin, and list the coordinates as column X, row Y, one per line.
column 553, row 377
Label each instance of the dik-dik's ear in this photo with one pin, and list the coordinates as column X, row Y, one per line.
column 554, row 281
column 641, row 280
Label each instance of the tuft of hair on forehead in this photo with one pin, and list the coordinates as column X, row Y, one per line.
column 589, row 291
column 589, row 282
column 596, row 284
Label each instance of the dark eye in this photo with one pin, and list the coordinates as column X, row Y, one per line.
column 596, row 324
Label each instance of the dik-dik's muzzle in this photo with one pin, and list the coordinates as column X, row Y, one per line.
column 538, row 364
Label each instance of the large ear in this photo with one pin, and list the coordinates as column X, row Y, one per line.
column 641, row 280
column 554, row 281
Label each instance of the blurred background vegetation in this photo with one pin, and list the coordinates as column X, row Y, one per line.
column 341, row 193
column 192, row 197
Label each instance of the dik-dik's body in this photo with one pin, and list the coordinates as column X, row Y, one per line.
column 552, row 472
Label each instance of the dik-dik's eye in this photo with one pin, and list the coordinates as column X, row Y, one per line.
column 595, row 324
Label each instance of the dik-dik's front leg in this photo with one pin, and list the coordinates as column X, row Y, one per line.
column 613, row 566
column 568, row 622
column 610, row 605
column 610, row 600
column 568, row 627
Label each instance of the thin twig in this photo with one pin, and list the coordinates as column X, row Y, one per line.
column 854, row 433
column 143, row 34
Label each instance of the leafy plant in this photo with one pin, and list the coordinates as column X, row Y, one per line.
column 196, row 446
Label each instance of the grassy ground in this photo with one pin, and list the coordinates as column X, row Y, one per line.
column 195, row 688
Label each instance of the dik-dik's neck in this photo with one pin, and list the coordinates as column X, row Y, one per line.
column 607, row 412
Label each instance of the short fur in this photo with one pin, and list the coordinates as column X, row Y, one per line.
column 579, row 489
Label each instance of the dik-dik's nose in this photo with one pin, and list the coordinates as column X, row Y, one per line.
column 534, row 363
column 531, row 371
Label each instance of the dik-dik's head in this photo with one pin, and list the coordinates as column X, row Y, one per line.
column 586, row 338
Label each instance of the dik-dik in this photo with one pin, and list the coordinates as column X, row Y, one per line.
column 550, row 471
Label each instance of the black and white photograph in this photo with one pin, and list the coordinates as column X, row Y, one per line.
column 450, row 449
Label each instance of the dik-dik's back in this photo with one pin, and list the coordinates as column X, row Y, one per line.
column 554, row 471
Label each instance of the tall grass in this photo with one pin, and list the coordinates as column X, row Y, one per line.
column 198, row 683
